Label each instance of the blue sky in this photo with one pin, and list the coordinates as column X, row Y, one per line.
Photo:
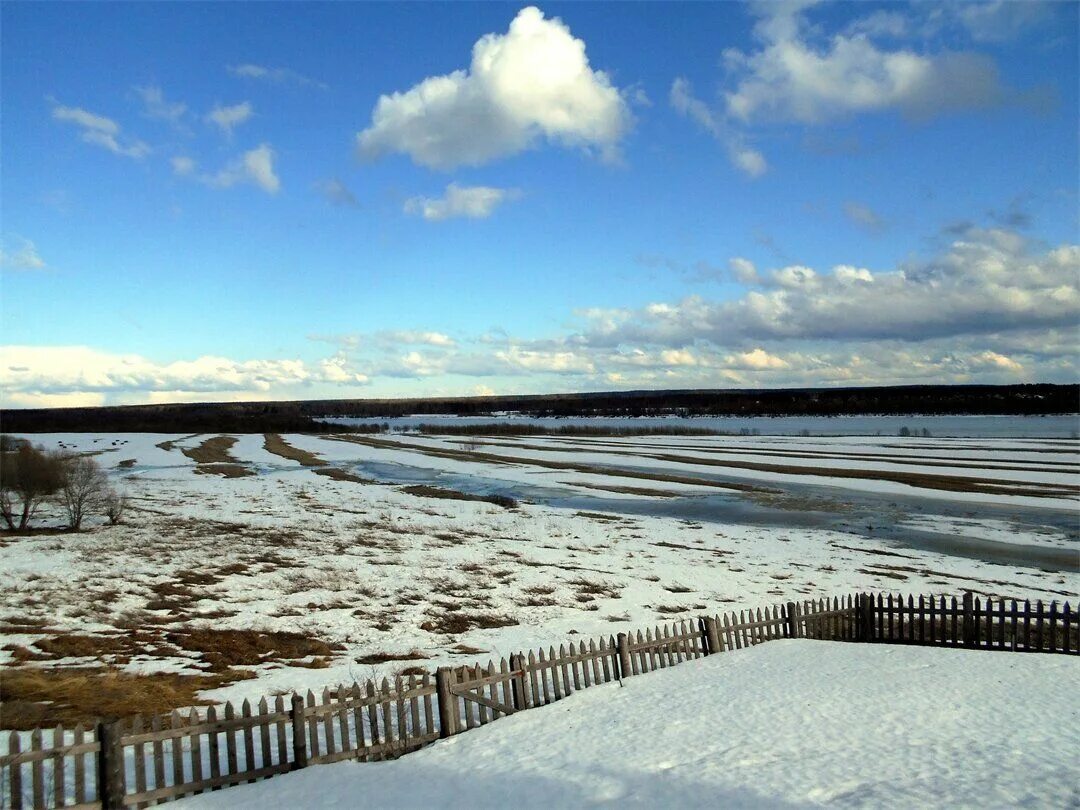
column 277, row 201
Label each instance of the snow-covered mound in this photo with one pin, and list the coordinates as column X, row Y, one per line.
column 786, row 724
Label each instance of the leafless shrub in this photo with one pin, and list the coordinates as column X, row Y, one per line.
column 29, row 476
column 85, row 488
column 115, row 506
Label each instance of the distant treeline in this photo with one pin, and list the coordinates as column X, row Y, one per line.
column 518, row 429
column 299, row 417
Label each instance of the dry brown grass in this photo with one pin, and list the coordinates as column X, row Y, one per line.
column 455, row 622
column 338, row 474
column 35, row 697
column 225, row 470
column 214, row 450
column 273, row 443
column 222, row 649
column 384, row 657
column 425, row 491
column 126, row 464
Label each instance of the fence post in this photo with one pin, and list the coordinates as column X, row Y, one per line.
column 110, row 766
column 517, row 664
column 792, row 620
column 712, row 635
column 447, row 710
column 622, row 643
column 969, row 630
column 299, row 733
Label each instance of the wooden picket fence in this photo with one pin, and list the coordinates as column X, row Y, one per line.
column 139, row 763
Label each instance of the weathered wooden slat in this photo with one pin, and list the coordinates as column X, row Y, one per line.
column 329, row 744
column 212, row 748
column 14, row 770
column 140, row 757
column 200, row 727
column 1066, row 622
column 249, row 737
column 388, row 713
column 230, row 741
column 314, row 750
column 1027, row 624
column 58, row 766
column 158, row 754
column 214, row 783
column 196, row 751
column 77, row 736
column 1039, row 638
column 373, row 718
column 282, row 734
column 176, row 748
column 266, row 753
column 37, row 771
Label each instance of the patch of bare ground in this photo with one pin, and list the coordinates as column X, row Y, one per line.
column 385, row 657
column 425, row 491
column 643, row 491
column 273, row 443
column 214, row 450
column 35, row 697
column 126, row 464
column 222, row 649
column 225, row 470
column 171, row 443
column 338, row 474
column 453, row 623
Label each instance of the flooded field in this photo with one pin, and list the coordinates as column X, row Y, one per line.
column 338, row 556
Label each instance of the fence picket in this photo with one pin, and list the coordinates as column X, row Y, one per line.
column 388, row 715
column 249, row 737
column 282, row 738
column 37, row 771
column 196, row 749
column 373, row 717
column 230, row 741
column 58, row 766
column 79, row 776
column 266, row 755
column 1066, row 623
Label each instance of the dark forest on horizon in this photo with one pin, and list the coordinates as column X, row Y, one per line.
column 301, row 416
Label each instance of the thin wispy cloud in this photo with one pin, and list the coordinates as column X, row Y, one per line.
column 274, row 75
column 100, row 130
column 228, row 118
column 468, row 202
column 19, row 253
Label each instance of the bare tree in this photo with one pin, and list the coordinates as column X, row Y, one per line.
column 115, row 505
column 84, row 489
column 28, row 477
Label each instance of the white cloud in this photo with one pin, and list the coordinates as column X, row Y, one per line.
column 743, row 157
column 255, row 166
column 182, row 165
column 743, row 270
column 472, row 202
column 100, row 131
column 791, row 79
column 274, row 75
column 989, row 282
column 155, row 106
column 1000, row 20
column 530, row 84
column 408, row 336
column 227, row 118
column 23, row 257
column 38, row 373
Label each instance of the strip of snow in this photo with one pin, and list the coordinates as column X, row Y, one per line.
column 789, row 723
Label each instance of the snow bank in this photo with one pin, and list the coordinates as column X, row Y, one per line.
column 786, row 724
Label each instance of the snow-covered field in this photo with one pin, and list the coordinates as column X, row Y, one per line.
column 784, row 724
column 609, row 534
